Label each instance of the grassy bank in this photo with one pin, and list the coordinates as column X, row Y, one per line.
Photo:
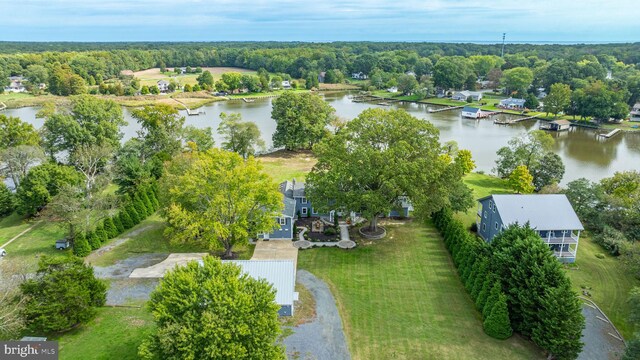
column 401, row 298
column 286, row 165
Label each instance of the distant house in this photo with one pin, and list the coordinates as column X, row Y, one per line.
column 635, row 112
column 471, row 112
column 484, row 84
column 556, row 125
column 411, row 73
column 392, row 89
column 512, row 104
column 550, row 215
column 163, row 86
column 286, row 85
column 280, row 274
column 321, row 76
column 463, row 95
column 183, row 70
column 15, row 85
column 440, row 93
column 359, row 76
column 542, row 93
column 42, row 86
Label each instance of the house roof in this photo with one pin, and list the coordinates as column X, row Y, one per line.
column 562, row 122
column 292, row 188
column 289, row 207
column 542, row 212
column 512, row 101
column 163, row 82
column 470, row 109
column 281, row 274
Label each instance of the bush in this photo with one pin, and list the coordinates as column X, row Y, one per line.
column 81, row 246
column 93, row 240
column 330, row 231
column 474, row 227
column 101, row 234
column 7, row 200
column 141, row 209
column 63, row 294
column 497, row 324
column 600, row 256
column 147, row 202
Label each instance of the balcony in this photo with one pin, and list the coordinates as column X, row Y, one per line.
column 565, row 254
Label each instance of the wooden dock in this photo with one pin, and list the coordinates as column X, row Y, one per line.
column 248, row 100
column 189, row 111
column 2, row 106
column 513, row 121
column 611, row 134
column 445, row 109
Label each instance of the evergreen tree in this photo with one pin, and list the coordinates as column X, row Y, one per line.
column 133, row 214
column 560, row 323
column 101, row 234
column 110, row 228
column 492, row 299
column 147, row 202
column 81, row 246
column 481, row 300
column 632, row 351
column 481, row 274
column 140, row 208
column 7, row 200
column 94, row 240
column 118, row 224
column 497, row 324
column 125, row 219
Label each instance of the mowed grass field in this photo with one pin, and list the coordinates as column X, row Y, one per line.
column 286, row 165
column 152, row 76
column 401, row 298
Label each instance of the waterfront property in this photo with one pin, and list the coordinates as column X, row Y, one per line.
column 464, row 95
column 512, row 104
column 471, row 112
column 556, row 125
column 15, row 85
column 551, row 215
column 359, row 76
column 321, row 76
column 635, row 112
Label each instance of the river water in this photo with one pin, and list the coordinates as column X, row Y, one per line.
column 583, row 154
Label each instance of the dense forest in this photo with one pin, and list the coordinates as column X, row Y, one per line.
column 609, row 73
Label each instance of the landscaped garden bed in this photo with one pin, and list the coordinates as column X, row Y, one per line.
column 328, row 234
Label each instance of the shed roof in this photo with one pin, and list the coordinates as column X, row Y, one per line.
column 542, row 212
column 281, row 274
column 292, row 188
column 470, row 109
column 562, row 122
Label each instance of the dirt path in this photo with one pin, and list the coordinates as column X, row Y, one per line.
column 117, row 242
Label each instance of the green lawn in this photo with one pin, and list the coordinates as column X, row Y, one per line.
column 401, row 298
column 286, row 165
column 482, row 185
column 608, row 280
column 32, row 245
column 116, row 333
column 11, row 226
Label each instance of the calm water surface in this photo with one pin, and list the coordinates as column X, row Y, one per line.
column 582, row 153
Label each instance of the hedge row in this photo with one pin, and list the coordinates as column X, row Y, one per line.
column 132, row 212
column 471, row 257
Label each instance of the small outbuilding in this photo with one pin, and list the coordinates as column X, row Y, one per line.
column 635, row 112
column 556, row 125
column 471, row 112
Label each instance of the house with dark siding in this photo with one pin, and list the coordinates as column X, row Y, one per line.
column 550, row 215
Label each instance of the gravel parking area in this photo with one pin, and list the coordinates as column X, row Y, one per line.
column 323, row 338
column 123, row 290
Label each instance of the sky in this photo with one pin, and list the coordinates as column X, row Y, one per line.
column 320, row 21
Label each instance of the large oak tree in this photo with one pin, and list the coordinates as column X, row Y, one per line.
column 377, row 158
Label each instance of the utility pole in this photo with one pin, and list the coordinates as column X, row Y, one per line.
column 503, row 36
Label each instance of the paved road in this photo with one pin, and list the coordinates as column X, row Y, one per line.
column 323, row 338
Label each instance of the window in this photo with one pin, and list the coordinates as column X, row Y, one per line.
column 496, row 226
column 485, row 214
column 304, row 200
column 314, row 211
column 491, row 204
column 304, row 211
column 484, row 227
column 283, row 221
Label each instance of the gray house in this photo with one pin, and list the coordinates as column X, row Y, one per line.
column 512, row 103
column 284, row 222
column 552, row 216
column 463, row 95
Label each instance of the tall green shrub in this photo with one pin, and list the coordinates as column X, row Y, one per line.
column 81, row 246
column 94, row 240
column 110, row 228
column 125, row 219
column 492, row 299
column 133, row 214
column 7, row 200
column 141, row 209
column 101, row 233
column 481, row 300
column 118, row 224
column 497, row 324
column 147, row 202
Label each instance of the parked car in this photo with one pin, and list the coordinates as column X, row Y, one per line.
column 62, row 244
column 3, row 252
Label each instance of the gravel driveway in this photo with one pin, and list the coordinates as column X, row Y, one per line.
column 598, row 344
column 123, row 290
column 323, row 338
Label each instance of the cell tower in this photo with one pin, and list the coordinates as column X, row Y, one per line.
column 503, row 36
